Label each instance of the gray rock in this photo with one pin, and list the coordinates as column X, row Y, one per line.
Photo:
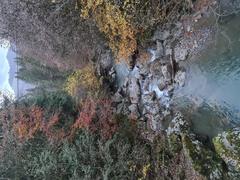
column 148, row 98
column 170, row 88
column 134, row 90
column 197, row 16
column 152, row 108
column 161, row 35
column 106, row 60
column 143, row 71
column 155, row 121
column 168, row 51
column 202, row 159
column 178, row 125
column 227, row 145
column 166, row 112
column 122, row 108
column 117, row 98
column 177, row 32
column 166, row 71
column 133, row 108
column 162, row 84
column 180, row 78
column 160, row 49
column 181, row 54
column 155, row 69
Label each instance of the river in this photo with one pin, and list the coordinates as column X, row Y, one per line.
column 211, row 96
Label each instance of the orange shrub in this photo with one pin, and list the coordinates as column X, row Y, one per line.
column 29, row 121
column 112, row 22
column 96, row 116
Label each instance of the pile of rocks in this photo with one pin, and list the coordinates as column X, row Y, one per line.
column 147, row 89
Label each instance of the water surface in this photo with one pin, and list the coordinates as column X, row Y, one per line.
column 211, row 97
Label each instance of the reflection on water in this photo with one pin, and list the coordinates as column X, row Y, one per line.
column 213, row 84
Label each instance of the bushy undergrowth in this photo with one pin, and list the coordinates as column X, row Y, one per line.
column 53, row 139
column 82, row 82
column 125, row 22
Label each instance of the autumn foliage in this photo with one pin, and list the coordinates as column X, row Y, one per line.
column 52, row 136
column 96, row 116
column 30, row 121
column 125, row 23
column 80, row 80
column 111, row 21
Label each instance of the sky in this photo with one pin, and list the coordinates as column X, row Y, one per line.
column 4, row 71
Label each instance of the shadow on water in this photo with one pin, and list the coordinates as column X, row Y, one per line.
column 211, row 96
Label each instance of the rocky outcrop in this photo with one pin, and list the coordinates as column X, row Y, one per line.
column 178, row 125
column 161, row 35
column 180, row 78
column 133, row 90
column 200, row 160
column 105, row 62
column 180, row 54
column 148, row 85
column 227, row 145
column 146, row 94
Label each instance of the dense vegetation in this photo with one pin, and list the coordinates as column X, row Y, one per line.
column 62, row 31
column 51, row 137
column 67, row 127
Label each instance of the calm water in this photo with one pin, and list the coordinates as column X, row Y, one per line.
column 211, row 97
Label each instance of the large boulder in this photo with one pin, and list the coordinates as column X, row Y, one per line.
column 200, row 160
column 181, row 54
column 161, row 35
column 180, row 78
column 167, row 72
column 105, row 62
column 160, row 49
column 134, row 90
column 134, row 113
column 203, row 160
column 227, row 145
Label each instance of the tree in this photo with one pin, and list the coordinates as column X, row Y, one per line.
column 41, row 76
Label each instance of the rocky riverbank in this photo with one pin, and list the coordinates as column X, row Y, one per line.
column 147, row 86
column 145, row 93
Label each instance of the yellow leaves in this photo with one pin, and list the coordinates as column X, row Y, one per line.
column 82, row 79
column 123, row 22
column 120, row 33
column 88, row 6
column 145, row 170
column 21, row 129
column 111, row 21
column 28, row 122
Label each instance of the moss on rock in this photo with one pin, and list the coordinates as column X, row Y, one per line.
column 203, row 160
column 227, row 145
column 174, row 142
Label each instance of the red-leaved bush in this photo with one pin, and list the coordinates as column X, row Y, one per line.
column 29, row 121
column 96, row 116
